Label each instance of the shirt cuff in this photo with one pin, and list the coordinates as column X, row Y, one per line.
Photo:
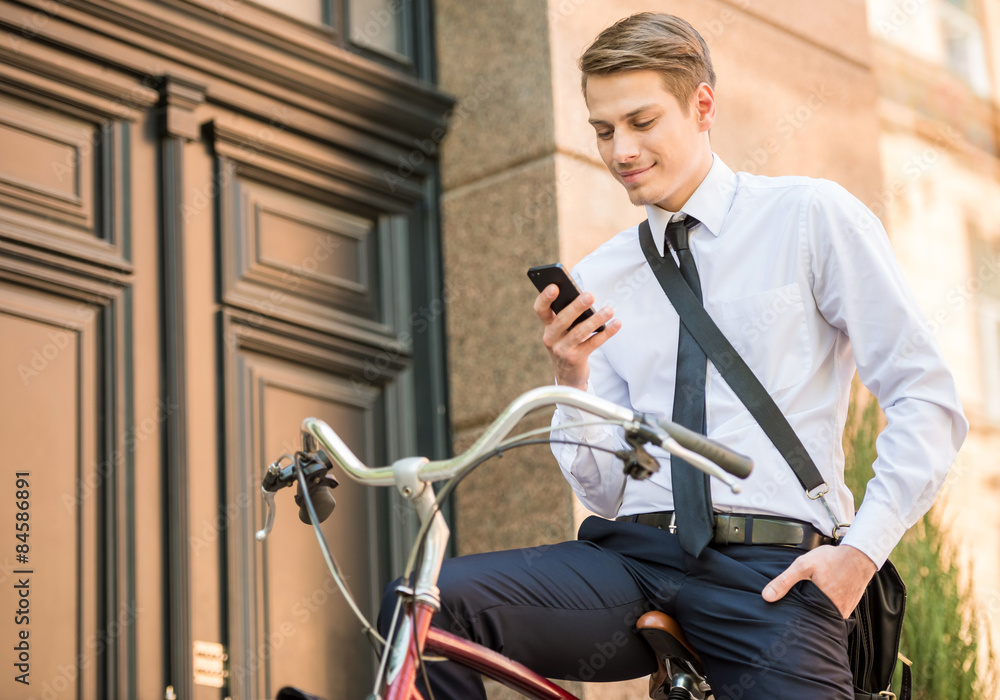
column 569, row 415
column 876, row 530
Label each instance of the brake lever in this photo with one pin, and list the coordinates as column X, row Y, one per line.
column 268, row 486
column 270, row 508
column 314, row 467
column 636, row 462
column 639, row 464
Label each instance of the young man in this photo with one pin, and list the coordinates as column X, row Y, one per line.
column 800, row 277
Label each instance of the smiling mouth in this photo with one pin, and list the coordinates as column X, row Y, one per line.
column 630, row 176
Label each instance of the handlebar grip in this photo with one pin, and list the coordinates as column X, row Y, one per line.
column 733, row 462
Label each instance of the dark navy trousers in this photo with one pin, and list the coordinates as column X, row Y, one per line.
column 568, row 611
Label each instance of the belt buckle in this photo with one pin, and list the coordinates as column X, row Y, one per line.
column 672, row 526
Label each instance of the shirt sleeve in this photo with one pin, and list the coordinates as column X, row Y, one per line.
column 860, row 290
column 594, row 474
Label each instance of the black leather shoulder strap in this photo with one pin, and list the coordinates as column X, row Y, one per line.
column 731, row 366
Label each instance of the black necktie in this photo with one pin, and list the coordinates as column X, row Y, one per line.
column 692, row 495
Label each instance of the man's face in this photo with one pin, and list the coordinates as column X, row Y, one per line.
column 657, row 150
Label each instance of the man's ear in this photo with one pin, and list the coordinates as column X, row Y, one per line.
column 703, row 105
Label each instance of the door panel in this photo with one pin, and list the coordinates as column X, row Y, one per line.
column 312, row 635
column 48, row 433
column 299, row 249
column 313, row 287
column 61, row 181
column 48, row 163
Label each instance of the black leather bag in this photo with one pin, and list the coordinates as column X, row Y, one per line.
column 873, row 645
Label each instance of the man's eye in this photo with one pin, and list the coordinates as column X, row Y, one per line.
column 605, row 135
column 643, row 125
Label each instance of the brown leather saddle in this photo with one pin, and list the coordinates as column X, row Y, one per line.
column 680, row 675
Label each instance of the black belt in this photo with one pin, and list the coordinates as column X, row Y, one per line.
column 743, row 528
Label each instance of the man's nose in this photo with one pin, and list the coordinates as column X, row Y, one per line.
column 626, row 147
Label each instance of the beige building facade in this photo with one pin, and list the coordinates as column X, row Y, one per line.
column 938, row 69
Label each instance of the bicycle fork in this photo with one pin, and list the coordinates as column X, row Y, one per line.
column 408, row 643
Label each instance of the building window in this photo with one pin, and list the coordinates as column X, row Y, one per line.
column 380, row 25
column 965, row 54
column 946, row 32
column 381, row 29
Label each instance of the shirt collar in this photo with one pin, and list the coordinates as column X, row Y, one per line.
column 710, row 203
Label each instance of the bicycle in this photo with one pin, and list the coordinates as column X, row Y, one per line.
column 412, row 638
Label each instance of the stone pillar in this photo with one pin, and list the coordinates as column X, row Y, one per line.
column 499, row 217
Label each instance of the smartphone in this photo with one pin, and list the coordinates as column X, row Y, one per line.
column 544, row 275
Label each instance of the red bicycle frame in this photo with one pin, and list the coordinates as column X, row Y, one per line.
column 486, row 661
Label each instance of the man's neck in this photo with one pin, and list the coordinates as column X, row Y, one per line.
column 677, row 201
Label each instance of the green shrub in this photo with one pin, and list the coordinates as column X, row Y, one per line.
column 941, row 630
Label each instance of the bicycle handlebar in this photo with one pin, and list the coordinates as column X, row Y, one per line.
column 733, row 462
column 322, row 447
column 711, row 457
column 407, row 474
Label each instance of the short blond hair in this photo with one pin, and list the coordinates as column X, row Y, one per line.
column 652, row 41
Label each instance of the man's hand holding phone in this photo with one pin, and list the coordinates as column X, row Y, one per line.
column 572, row 334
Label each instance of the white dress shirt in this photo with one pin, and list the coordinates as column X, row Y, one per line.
column 800, row 277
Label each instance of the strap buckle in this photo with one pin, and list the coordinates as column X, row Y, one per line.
column 819, row 491
column 672, row 527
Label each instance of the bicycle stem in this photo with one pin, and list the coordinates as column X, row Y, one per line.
column 406, row 473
